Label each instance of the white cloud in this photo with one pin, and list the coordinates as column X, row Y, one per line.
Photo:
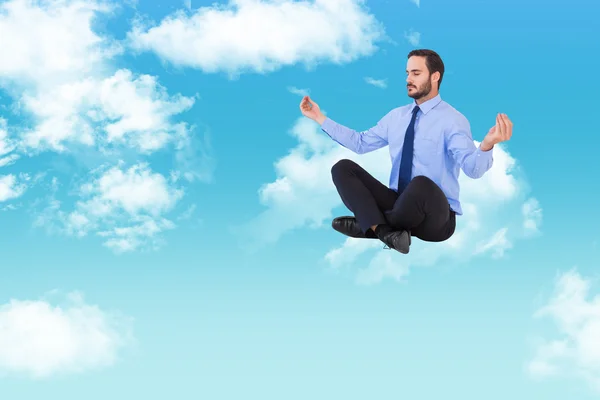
column 51, row 41
column 496, row 245
column 299, row 92
column 532, row 214
column 575, row 315
column 41, row 339
column 416, row 2
column 124, row 206
column 73, row 99
column 413, row 37
column 350, row 250
column 60, row 72
column 12, row 187
column 134, row 190
column 380, row 83
column 7, row 145
column 238, row 37
column 382, row 266
column 122, row 108
column 303, row 195
column 8, row 160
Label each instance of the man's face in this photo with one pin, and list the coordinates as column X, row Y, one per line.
column 418, row 79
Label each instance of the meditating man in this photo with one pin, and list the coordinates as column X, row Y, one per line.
column 429, row 143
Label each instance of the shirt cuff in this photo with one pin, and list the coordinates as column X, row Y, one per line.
column 327, row 124
column 485, row 154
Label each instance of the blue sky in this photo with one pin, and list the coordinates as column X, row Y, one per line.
column 166, row 208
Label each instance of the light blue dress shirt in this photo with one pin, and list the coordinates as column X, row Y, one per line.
column 443, row 144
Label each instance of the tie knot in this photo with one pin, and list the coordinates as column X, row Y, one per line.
column 415, row 110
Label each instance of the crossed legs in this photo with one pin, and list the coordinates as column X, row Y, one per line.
column 421, row 209
column 362, row 194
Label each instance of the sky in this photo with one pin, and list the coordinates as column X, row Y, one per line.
column 166, row 209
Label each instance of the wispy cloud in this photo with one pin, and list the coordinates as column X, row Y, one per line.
column 380, row 83
column 238, row 38
column 40, row 339
column 299, row 92
column 7, row 145
column 413, row 37
column 126, row 206
column 496, row 245
column 416, row 2
column 574, row 349
column 12, row 186
column 303, row 195
column 532, row 214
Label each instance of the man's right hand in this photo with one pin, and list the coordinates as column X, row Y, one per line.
column 311, row 110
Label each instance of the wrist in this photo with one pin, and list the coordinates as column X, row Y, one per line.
column 485, row 146
column 320, row 119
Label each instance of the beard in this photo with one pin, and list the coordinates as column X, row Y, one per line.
column 419, row 92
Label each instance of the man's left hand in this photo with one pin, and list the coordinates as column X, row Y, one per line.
column 500, row 132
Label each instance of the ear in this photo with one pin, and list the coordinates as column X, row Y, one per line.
column 435, row 77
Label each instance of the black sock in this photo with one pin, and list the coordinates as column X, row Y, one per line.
column 371, row 234
column 382, row 229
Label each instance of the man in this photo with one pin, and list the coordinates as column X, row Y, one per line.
column 429, row 143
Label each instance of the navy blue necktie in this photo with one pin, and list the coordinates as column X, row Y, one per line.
column 407, row 154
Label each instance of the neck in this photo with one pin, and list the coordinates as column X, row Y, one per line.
column 430, row 96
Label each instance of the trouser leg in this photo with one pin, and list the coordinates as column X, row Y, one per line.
column 423, row 209
column 362, row 194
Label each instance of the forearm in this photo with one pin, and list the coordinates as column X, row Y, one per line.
column 478, row 161
column 341, row 134
column 355, row 141
column 320, row 119
column 474, row 161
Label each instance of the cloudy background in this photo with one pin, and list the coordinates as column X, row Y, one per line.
column 166, row 209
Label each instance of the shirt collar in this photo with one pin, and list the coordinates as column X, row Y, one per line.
column 428, row 105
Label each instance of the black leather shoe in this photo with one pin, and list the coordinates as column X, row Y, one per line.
column 347, row 226
column 398, row 240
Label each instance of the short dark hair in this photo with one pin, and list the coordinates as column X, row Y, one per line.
column 432, row 60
